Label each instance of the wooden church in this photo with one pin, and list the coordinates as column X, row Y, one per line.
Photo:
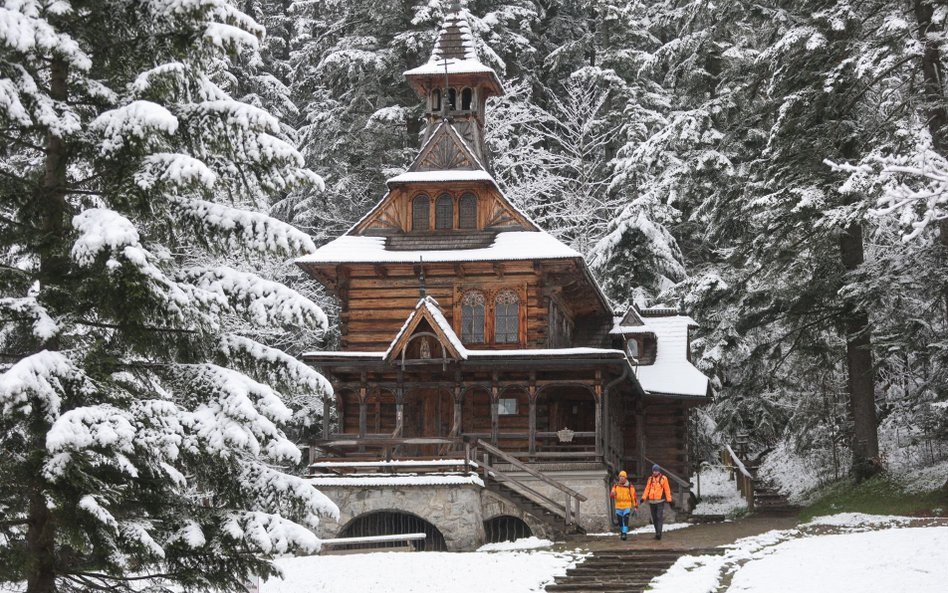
column 479, row 355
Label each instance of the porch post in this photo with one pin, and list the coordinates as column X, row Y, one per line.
column 640, row 435
column 326, row 429
column 532, row 400
column 399, row 406
column 599, row 432
column 456, row 423
column 363, row 407
column 494, row 409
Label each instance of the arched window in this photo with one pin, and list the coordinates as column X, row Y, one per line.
column 444, row 212
column 436, row 100
column 466, row 98
column 472, row 317
column 467, row 211
column 506, row 317
column 419, row 213
column 452, row 99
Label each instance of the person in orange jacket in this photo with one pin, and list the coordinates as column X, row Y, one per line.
column 657, row 492
column 623, row 493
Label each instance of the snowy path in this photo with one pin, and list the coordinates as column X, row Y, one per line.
column 851, row 553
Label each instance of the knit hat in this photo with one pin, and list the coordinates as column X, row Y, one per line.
column 656, row 468
column 622, row 474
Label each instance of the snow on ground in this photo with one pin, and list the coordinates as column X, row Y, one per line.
column 420, row 572
column 911, row 559
column 718, row 492
column 846, row 552
column 524, row 543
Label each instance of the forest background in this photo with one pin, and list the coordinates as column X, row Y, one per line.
column 776, row 169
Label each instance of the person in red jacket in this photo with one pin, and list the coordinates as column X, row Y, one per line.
column 623, row 493
column 657, row 492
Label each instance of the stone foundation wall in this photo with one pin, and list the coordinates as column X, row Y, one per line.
column 454, row 509
column 459, row 511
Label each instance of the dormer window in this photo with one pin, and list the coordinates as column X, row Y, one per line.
column 420, row 207
column 444, row 212
column 632, row 348
column 467, row 211
column 467, row 97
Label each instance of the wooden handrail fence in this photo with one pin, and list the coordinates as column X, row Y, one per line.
column 745, row 481
column 483, row 455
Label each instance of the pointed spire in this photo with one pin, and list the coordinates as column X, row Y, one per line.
column 455, row 40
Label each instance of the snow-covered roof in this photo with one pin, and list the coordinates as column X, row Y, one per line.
column 468, row 354
column 446, row 175
column 507, row 246
column 430, row 306
column 453, row 66
column 671, row 373
column 396, row 480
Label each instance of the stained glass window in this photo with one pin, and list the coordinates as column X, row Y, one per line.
column 419, row 213
column 444, row 212
column 506, row 317
column 472, row 317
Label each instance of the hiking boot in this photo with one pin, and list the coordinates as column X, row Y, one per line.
column 624, row 537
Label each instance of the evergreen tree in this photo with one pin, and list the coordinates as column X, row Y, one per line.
column 139, row 413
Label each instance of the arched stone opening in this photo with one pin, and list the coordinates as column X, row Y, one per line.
column 505, row 528
column 393, row 523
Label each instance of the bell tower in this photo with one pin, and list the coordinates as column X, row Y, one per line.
column 455, row 84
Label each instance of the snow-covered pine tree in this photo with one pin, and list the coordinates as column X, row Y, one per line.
column 140, row 421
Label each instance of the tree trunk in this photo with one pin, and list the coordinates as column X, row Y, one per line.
column 41, row 532
column 862, row 398
column 935, row 102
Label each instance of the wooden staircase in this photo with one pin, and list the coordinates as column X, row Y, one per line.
column 562, row 518
column 620, row 571
column 769, row 502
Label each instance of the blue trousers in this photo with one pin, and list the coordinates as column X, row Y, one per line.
column 623, row 515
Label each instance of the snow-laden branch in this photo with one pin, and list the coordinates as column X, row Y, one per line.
column 268, row 533
column 139, row 120
column 236, row 413
column 37, row 379
column 278, row 365
column 245, row 229
column 917, row 205
column 177, row 170
column 266, row 302
column 101, row 230
column 44, row 326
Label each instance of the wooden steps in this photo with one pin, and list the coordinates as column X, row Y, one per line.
column 553, row 518
column 768, row 501
column 620, row 571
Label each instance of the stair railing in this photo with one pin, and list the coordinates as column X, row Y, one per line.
column 569, row 511
column 745, row 481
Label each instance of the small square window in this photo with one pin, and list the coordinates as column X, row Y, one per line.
column 507, row 406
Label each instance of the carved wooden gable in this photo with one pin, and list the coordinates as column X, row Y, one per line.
column 425, row 336
column 445, row 150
